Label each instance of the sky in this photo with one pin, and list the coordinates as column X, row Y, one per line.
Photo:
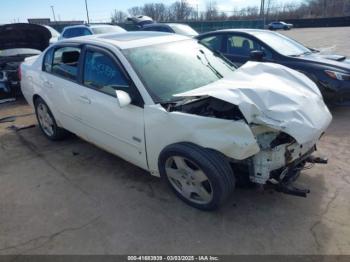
column 100, row 10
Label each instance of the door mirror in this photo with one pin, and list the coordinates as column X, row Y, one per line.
column 257, row 55
column 123, row 98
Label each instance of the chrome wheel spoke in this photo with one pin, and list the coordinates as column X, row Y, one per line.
column 180, row 162
column 187, row 191
column 203, row 193
column 199, row 176
column 174, row 174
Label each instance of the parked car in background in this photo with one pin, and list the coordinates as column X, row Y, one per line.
column 17, row 42
column 331, row 73
column 83, row 30
column 54, row 34
column 140, row 20
column 181, row 29
column 279, row 25
column 192, row 123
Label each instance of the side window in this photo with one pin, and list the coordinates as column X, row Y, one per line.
column 212, row 42
column 47, row 65
column 242, row 46
column 149, row 29
column 65, row 62
column 101, row 73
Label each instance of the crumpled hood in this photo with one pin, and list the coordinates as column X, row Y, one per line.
column 275, row 96
column 24, row 36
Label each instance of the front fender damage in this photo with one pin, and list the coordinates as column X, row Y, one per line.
column 264, row 116
column 232, row 138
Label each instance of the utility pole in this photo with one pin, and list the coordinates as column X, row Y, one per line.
column 262, row 12
column 53, row 12
column 87, row 12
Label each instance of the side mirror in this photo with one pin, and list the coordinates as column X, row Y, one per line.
column 257, row 55
column 123, row 98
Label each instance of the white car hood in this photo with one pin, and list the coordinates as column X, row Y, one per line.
column 275, row 96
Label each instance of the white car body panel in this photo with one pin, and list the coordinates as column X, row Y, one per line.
column 232, row 138
column 140, row 134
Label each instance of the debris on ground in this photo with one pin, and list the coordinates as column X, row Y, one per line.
column 8, row 119
column 22, row 127
column 7, row 100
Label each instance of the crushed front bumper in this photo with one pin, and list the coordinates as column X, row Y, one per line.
column 280, row 159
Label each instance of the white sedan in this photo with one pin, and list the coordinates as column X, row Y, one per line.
column 171, row 106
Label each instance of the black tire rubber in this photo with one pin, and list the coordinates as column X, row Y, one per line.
column 213, row 164
column 59, row 133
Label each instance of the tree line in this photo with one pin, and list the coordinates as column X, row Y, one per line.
column 273, row 10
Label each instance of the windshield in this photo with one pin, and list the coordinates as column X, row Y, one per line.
column 282, row 44
column 183, row 29
column 172, row 68
column 107, row 29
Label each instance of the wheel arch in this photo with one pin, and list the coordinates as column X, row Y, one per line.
column 50, row 105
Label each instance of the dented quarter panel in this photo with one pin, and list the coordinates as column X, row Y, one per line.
column 232, row 138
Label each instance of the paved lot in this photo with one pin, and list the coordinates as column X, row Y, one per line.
column 70, row 197
column 328, row 39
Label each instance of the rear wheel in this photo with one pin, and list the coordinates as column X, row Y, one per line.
column 200, row 177
column 47, row 122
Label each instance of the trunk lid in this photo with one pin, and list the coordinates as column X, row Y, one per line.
column 24, row 36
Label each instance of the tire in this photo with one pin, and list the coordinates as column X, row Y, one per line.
column 202, row 178
column 47, row 122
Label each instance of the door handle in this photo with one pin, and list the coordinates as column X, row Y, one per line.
column 84, row 99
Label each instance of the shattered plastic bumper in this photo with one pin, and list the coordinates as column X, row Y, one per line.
column 282, row 157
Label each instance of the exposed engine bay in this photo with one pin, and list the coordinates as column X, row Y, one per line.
column 280, row 159
column 9, row 76
column 17, row 42
column 208, row 107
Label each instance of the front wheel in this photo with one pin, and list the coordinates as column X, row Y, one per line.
column 47, row 122
column 201, row 177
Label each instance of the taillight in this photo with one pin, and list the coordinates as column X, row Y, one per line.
column 19, row 72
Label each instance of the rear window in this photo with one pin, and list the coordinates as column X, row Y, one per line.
column 75, row 32
column 65, row 62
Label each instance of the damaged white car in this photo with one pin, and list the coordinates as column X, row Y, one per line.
column 171, row 106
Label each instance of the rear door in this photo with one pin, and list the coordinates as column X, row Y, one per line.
column 118, row 130
column 61, row 80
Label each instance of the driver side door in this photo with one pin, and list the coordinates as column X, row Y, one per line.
column 119, row 130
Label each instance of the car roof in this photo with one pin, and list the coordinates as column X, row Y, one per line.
column 238, row 30
column 129, row 39
column 163, row 24
column 74, row 26
column 87, row 26
column 100, row 25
